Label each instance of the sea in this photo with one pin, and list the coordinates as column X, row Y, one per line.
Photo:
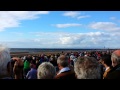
column 53, row 49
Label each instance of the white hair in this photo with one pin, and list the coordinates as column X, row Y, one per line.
column 87, row 68
column 116, row 58
column 4, row 59
column 46, row 71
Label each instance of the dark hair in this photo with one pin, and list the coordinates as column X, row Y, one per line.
column 33, row 62
column 107, row 60
column 10, row 65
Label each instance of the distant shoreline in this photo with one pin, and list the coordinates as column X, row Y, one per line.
column 20, row 54
column 48, row 52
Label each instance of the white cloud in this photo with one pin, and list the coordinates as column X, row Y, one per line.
column 43, row 33
column 71, row 14
column 17, row 33
column 108, row 26
column 67, row 25
column 75, row 14
column 113, row 18
column 65, row 40
column 12, row 18
column 70, row 40
column 80, row 17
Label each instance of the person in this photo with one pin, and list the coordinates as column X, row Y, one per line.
column 65, row 71
column 87, row 68
column 18, row 68
column 4, row 59
column 26, row 67
column 10, row 67
column 46, row 71
column 114, row 73
column 107, row 63
column 72, row 57
column 32, row 74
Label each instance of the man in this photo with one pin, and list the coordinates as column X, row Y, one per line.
column 114, row 73
column 64, row 70
column 87, row 68
column 32, row 74
column 72, row 57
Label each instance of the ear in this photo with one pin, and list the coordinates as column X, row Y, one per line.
column 59, row 66
column 102, row 62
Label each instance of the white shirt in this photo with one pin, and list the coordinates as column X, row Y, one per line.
column 72, row 57
column 64, row 69
column 107, row 68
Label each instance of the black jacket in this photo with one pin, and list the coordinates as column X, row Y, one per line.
column 114, row 73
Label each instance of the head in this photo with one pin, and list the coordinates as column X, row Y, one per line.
column 4, row 59
column 33, row 64
column 115, row 57
column 62, row 61
column 18, row 68
column 46, row 71
column 87, row 68
column 106, row 60
column 29, row 58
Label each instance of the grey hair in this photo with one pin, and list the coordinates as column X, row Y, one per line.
column 63, row 61
column 4, row 59
column 87, row 68
column 46, row 71
column 116, row 58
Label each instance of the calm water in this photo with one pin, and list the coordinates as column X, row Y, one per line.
column 49, row 50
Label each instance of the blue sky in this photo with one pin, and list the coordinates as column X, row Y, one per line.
column 60, row 29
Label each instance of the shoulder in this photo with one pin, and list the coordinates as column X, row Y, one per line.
column 65, row 75
column 113, row 74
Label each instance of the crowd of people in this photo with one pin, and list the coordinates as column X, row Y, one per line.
column 70, row 65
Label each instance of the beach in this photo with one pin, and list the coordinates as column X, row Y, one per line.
column 20, row 54
column 33, row 52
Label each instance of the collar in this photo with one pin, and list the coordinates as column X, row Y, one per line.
column 64, row 69
column 33, row 69
column 107, row 68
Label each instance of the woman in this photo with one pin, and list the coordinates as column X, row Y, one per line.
column 107, row 63
column 18, row 68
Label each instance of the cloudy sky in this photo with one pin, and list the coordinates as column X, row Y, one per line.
column 60, row 29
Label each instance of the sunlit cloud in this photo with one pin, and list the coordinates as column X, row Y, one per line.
column 76, row 40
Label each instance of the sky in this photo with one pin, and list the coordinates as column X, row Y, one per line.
column 60, row 29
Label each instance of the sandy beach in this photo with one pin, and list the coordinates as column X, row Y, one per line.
column 20, row 54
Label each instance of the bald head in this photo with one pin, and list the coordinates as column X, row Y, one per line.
column 115, row 57
column 117, row 52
